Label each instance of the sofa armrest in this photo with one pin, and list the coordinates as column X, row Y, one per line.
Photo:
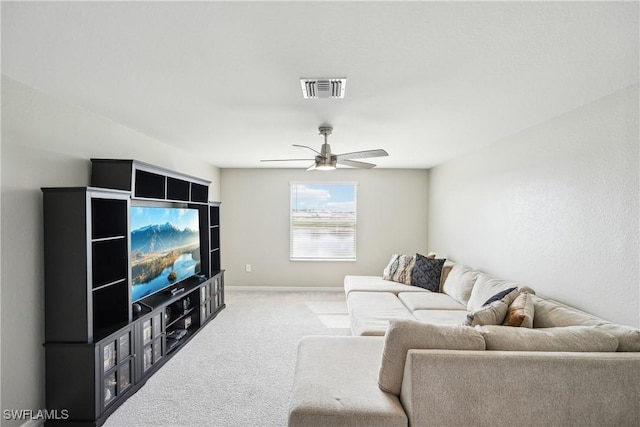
column 444, row 387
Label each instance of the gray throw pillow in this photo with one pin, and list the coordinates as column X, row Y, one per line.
column 426, row 273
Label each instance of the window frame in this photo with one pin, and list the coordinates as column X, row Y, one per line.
column 353, row 184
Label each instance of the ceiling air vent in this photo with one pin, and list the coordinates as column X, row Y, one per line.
column 323, row 88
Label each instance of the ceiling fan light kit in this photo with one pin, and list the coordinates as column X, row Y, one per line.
column 325, row 160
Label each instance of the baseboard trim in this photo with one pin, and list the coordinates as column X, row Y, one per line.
column 285, row 288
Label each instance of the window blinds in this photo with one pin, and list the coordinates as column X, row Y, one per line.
column 323, row 221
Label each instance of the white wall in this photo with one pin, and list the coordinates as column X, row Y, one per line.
column 391, row 209
column 46, row 143
column 555, row 207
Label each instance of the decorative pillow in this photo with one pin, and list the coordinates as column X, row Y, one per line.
column 404, row 335
column 494, row 310
column 486, row 286
column 459, row 283
column 520, row 312
column 567, row 338
column 403, row 273
column 446, row 268
column 426, row 273
column 391, row 268
column 499, row 296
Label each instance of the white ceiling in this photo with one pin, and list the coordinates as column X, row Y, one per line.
column 427, row 81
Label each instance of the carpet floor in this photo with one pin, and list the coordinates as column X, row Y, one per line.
column 238, row 370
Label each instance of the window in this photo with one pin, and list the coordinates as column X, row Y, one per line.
column 323, row 221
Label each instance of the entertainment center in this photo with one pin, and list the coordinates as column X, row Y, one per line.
column 132, row 273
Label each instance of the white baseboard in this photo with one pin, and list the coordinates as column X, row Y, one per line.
column 285, row 288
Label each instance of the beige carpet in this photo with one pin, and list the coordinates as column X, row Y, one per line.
column 238, row 370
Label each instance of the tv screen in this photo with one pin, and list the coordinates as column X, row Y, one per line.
column 165, row 248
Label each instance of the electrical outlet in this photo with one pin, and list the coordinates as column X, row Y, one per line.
column 247, row 268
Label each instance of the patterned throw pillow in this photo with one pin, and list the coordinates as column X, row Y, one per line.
column 391, row 268
column 520, row 312
column 426, row 273
column 405, row 266
column 494, row 310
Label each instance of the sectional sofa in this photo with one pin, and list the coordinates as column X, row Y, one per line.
column 475, row 351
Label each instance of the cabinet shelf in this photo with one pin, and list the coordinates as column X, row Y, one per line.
column 174, row 320
column 115, row 282
column 108, row 239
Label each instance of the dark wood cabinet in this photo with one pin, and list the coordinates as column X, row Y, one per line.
column 85, row 379
column 98, row 348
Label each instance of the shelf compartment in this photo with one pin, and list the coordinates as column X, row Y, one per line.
column 110, row 262
column 150, row 185
column 178, row 189
column 110, row 306
column 214, row 215
column 214, row 261
column 199, row 193
column 109, row 218
column 214, row 233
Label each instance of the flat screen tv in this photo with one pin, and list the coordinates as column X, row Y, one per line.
column 165, row 248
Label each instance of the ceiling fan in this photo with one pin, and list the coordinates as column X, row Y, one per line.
column 326, row 160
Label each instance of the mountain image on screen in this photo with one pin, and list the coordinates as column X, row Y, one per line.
column 162, row 255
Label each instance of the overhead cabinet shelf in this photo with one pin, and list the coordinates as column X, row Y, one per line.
column 148, row 182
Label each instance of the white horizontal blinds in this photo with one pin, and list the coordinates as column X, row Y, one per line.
column 323, row 221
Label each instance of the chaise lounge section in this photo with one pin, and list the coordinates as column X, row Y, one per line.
column 411, row 362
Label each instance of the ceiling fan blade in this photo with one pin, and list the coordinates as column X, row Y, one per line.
column 363, row 154
column 287, row 160
column 355, row 164
column 305, row 148
column 312, row 167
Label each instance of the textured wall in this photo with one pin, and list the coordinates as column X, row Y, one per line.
column 46, row 143
column 392, row 205
column 555, row 207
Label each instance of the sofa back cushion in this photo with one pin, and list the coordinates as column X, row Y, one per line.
column 568, row 338
column 459, row 283
column 404, row 335
column 550, row 313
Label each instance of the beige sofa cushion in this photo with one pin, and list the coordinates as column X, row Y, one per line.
column 336, row 384
column 550, row 313
column 370, row 312
column 520, row 312
column 376, row 284
column 429, row 301
column 568, row 338
column 403, row 335
column 459, row 283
